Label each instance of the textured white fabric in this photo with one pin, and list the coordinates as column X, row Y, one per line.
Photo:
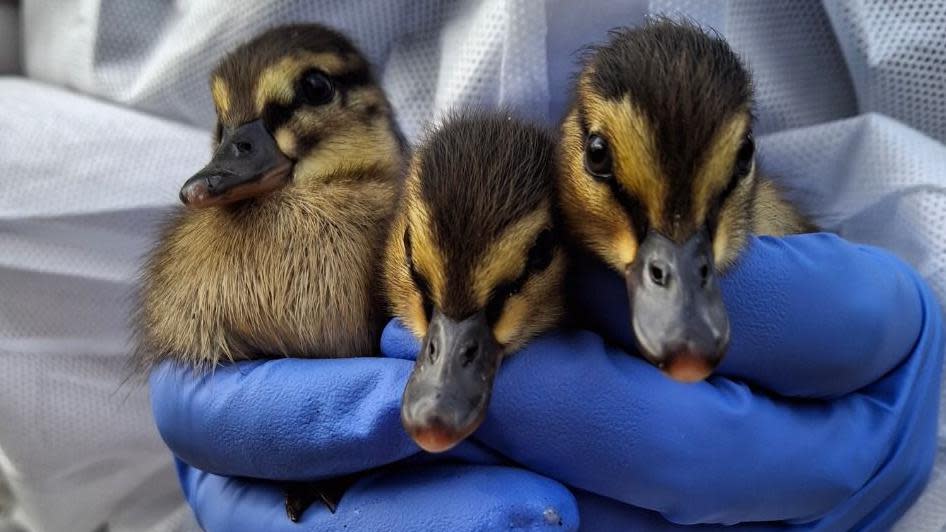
column 851, row 112
column 83, row 185
column 896, row 53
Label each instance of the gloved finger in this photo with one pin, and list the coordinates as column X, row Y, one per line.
column 438, row 497
column 602, row 513
column 874, row 508
column 574, row 409
column 398, row 342
column 810, row 315
column 284, row 419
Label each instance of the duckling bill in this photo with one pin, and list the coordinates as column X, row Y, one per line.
column 658, row 178
column 278, row 252
column 247, row 163
column 474, row 265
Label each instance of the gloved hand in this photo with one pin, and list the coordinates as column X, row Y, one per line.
column 824, row 411
column 453, row 497
column 297, row 419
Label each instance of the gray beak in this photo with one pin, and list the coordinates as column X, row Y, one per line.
column 677, row 311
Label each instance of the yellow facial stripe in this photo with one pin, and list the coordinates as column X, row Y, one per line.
column 405, row 300
column 221, row 96
column 633, row 150
column 426, row 254
column 736, row 219
column 505, row 257
column 428, row 260
column 286, row 140
column 594, row 214
column 366, row 96
column 625, row 246
column 534, row 309
column 721, row 250
column 276, row 83
column 356, row 146
column 515, row 313
column 716, row 169
column 413, row 309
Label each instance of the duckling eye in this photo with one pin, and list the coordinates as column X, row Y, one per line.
column 316, row 88
column 598, row 157
column 744, row 156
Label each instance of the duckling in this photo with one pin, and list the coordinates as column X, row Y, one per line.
column 277, row 251
column 658, row 179
column 278, row 248
column 474, row 265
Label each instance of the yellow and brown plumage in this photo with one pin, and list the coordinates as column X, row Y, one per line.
column 278, row 250
column 474, row 264
column 658, row 179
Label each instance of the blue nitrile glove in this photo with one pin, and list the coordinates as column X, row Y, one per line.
column 812, row 316
column 450, row 497
column 257, row 418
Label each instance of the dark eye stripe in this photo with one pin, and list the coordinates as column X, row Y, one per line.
column 539, row 258
column 542, row 252
column 741, row 169
column 416, row 277
column 305, row 143
column 734, row 181
column 712, row 218
column 632, row 206
column 353, row 78
column 275, row 115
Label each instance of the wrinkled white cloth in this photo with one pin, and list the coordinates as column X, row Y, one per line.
column 115, row 111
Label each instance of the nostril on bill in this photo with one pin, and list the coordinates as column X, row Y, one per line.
column 242, row 147
column 469, row 353
column 432, row 352
column 659, row 272
column 213, row 182
column 704, row 274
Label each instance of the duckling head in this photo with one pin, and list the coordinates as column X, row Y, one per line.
column 474, row 265
column 657, row 175
column 296, row 104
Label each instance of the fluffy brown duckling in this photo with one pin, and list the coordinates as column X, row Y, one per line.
column 277, row 251
column 474, row 265
column 658, row 179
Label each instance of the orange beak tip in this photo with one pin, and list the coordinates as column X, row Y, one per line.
column 688, row 369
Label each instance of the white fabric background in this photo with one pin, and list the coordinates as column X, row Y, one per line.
column 115, row 114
